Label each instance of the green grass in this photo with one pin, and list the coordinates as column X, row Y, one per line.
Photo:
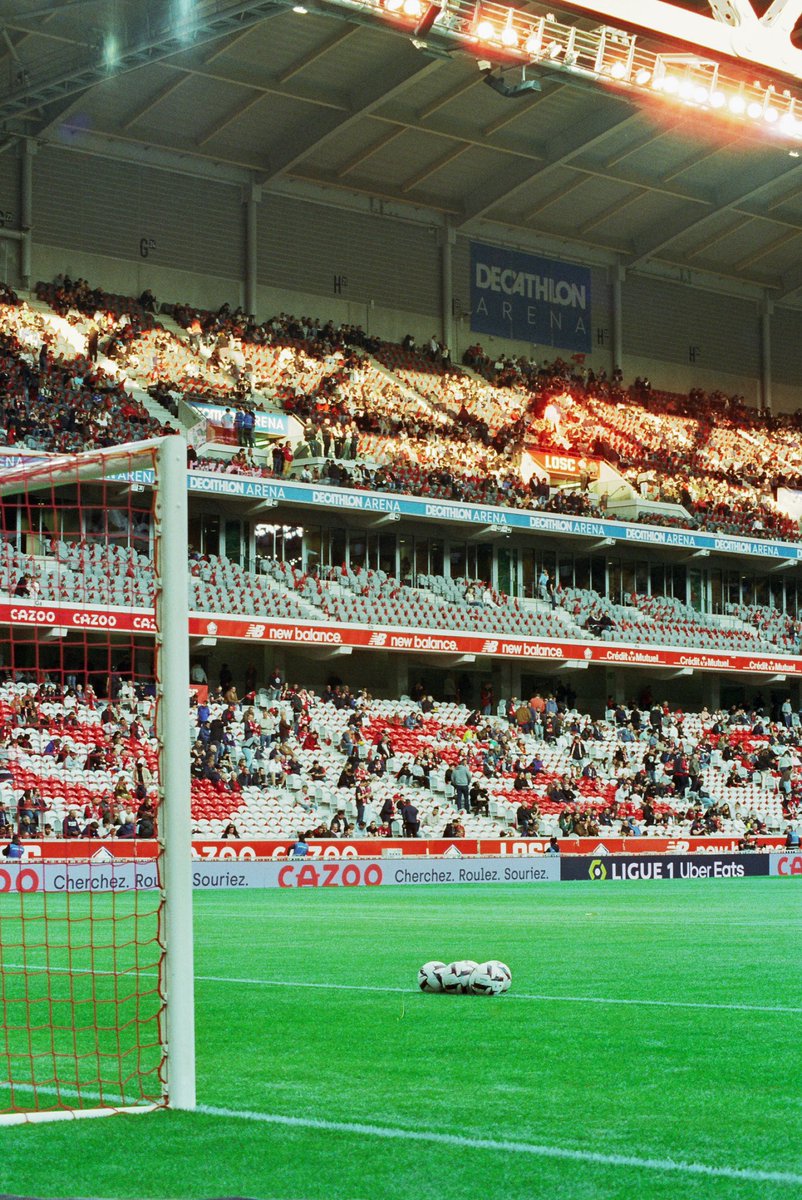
column 717, row 1086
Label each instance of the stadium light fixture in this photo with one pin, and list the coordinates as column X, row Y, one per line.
column 111, row 51
column 510, row 90
column 613, row 57
column 509, row 35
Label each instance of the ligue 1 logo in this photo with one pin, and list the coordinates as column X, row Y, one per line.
column 597, row 869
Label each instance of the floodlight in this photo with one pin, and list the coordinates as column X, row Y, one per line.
column 509, row 34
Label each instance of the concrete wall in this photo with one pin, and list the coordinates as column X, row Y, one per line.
column 127, row 226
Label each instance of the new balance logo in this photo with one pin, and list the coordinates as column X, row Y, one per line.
column 378, row 639
column 490, row 647
column 255, row 631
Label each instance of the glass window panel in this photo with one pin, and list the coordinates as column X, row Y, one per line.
column 582, row 571
column 337, row 555
column 233, row 540
column 457, row 560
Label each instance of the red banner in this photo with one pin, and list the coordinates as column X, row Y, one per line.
column 214, row 850
column 366, row 637
column 567, row 466
column 439, row 642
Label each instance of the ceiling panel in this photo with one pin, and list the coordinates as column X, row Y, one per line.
column 438, row 135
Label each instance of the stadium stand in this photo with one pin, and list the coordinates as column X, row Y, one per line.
column 98, row 573
column 390, row 417
column 284, row 758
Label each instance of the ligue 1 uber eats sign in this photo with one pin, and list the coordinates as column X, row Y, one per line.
column 529, row 299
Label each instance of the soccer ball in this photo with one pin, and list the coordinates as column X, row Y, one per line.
column 430, row 976
column 456, row 976
column 490, row 979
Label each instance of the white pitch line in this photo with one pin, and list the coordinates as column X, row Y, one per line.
column 363, row 987
column 405, row 991
column 746, row 1174
column 388, row 1132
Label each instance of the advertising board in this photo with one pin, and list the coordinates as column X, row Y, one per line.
column 84, row 878
column 375, row 637
column 250, row 849
column 658, row 867
column 786, row 866
column 526, row 298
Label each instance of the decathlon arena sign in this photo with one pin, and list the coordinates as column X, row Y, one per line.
column 243, row 487
column 529, row 299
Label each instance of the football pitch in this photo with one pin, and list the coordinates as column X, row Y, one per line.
column 649, row 1047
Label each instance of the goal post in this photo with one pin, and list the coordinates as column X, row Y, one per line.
column 172, row 675
column 96, row 952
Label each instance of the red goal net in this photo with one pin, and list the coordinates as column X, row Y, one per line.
column 83, row 980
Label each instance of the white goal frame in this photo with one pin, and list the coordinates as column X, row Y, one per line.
column 167, row 457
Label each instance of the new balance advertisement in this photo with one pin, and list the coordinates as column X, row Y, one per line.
column 529, row 299
column 56, row 615
column 621, row 868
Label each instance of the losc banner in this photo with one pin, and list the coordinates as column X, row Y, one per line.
column 648, row 866
column 529, row 299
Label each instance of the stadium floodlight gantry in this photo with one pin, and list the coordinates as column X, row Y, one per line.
column 96, row 959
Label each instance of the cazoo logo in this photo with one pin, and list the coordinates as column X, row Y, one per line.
column 34, row 616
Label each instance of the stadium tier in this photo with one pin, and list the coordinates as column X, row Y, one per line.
column 75, row 763
column 394, row 417
column 91, row 572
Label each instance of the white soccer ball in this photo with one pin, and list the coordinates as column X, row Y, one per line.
column 457, row 975
column 490, row 979
column 430, row 976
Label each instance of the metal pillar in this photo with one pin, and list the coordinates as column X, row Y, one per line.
column 448, row 237
column 26, row 212
column 617, row 278
column 765, row 354
column 253, row 196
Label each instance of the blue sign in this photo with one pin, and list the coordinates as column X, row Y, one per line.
column 316, row 495
column 354, row 500
column 529, row 299
column 276, row 424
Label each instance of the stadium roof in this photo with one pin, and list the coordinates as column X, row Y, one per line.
column 328, row 103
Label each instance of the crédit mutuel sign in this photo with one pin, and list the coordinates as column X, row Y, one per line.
column 529, row 299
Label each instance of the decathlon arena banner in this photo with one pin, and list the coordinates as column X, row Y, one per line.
column 530, row 299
